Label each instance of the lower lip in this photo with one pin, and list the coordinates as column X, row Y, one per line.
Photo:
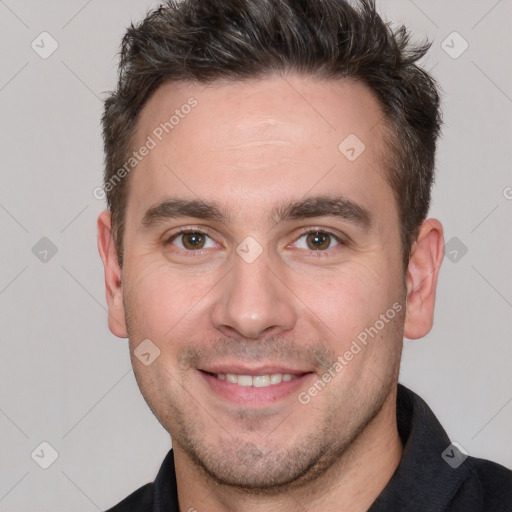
column 264, row 395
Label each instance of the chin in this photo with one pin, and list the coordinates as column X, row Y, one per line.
column 262, row 469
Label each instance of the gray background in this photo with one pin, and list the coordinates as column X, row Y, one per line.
column 65, row 379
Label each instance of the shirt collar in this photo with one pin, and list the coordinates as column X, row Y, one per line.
column 165, row 490
column 423, row 481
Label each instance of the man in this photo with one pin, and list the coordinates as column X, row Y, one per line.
column 266, row 249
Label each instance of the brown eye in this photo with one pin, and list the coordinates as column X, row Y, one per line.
column 192, row 240
column 318, row 240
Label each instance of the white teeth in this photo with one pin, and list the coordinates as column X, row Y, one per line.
column 276, row 378
column 244, row 380
column 258, row 381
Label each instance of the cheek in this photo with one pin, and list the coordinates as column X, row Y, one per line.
column 348, row 301
column 162, row 302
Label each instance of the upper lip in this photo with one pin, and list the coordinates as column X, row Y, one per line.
column 244, row 369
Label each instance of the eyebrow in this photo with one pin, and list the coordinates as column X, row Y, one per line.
column 324, row 206
column 317, row 206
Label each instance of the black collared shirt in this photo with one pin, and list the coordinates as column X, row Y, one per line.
column 433, row 476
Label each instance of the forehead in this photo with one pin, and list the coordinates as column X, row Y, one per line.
column 257, row 141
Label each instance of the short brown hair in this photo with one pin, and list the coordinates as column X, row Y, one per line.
column 206, row 40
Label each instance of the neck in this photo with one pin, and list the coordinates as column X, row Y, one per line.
column 351, row 484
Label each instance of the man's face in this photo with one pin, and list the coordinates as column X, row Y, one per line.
column 281, row 302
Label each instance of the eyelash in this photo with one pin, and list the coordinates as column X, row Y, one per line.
column 204, row 231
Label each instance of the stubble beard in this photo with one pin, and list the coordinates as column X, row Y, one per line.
column 267, row 469
column 264, row 468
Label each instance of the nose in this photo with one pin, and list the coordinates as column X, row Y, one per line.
column 255, row 300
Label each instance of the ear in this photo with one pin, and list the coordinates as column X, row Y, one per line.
column 113, row 275
column 427, row 254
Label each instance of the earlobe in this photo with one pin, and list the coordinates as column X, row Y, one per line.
column 422, row 273
column 113, row 276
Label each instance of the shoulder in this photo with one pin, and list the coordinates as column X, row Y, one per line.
column 139, row 501
column 162, row 492
column 488, row 484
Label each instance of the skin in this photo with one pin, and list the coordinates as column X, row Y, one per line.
column 250, row 146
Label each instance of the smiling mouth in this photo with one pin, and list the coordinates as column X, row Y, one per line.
column 257, row 381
